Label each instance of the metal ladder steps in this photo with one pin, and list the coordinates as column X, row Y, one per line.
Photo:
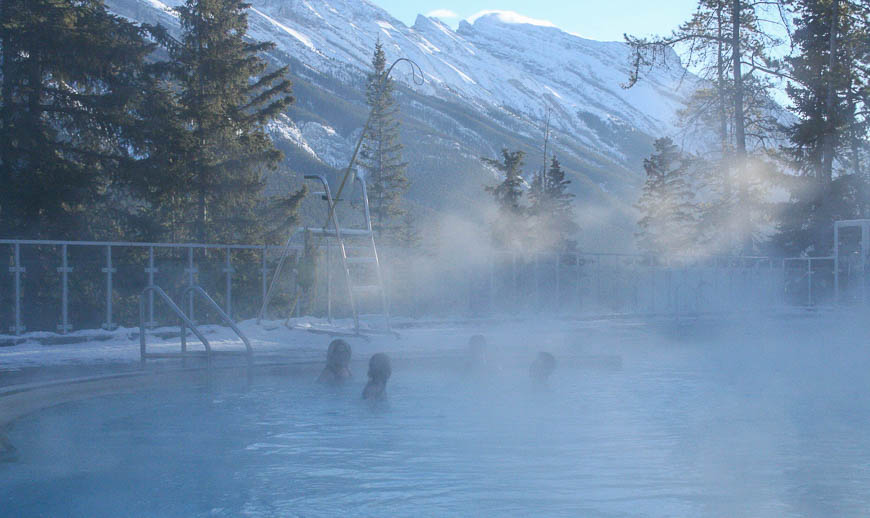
column 367, row 287
column 345, row 232
column 361, row 260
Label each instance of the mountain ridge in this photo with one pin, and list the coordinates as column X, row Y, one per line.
column 489, row 84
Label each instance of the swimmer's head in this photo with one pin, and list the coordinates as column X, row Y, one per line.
column 477, row 349
column 477, row 344
column 338, row 354
column 542, row 367
column 379, row 368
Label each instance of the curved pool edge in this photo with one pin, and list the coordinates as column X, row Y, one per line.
column 20, row 400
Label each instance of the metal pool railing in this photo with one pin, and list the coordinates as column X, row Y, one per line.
column 60, row 288
column 62, row 285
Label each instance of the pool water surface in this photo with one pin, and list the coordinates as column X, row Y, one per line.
column 653, row 427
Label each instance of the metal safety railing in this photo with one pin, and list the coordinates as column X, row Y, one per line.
column 66, row 269
column 190, row 291
column 417, row 284
column 185, row 321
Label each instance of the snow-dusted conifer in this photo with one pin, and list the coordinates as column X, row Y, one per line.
column 668, row 213
column 381, row 154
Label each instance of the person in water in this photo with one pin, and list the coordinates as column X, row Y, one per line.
column 542, row 367
column 379, row 373
column 337, row 368
column 7, row 451
column 477, row 353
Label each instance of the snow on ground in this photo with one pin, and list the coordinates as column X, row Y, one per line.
column 272, row 339
column 40, row 357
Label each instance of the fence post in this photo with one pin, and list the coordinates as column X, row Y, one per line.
column 492, row 283
column 109, row 270
column 598, row 281
column 537, row 282
column 809, row 282
column 17, row 270
column 64, row 271
column 578, row 288
column 515, row 289
column 329, row 282
column 191, row 271
column 264, row 271
column 151, row 270
column 229, row 271
column 558, row 280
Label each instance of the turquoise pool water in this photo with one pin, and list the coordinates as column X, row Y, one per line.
column 678, row 427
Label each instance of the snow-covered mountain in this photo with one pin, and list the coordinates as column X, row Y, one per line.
column 488, row 85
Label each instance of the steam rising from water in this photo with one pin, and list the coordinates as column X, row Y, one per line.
column 711, row 418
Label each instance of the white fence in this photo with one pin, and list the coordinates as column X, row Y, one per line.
column 65, row 285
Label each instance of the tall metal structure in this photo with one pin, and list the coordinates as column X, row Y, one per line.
column 355, row 281
column 851, row 255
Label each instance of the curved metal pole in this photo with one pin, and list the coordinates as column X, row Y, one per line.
column 226, row 318
column 348, row 172
column 175, row 309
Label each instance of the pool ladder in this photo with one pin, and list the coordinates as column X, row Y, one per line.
column 186, row 322
column 363, row 264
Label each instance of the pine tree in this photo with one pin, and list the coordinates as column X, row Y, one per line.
column 668, row 213
column 829, row 81
column 71, row 78
column 381, row 153
column 551, row 207
column 508, row 229
column 722, row 37
column 227, row 97
column 827, row 76
column 729, row 42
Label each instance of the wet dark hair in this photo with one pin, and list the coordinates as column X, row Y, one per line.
column 379, row 367
column 477, row 341
column 338, row 353
column 543, row 366
column 477, row 351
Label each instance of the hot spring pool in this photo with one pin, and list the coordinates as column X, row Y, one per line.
column 763, row 425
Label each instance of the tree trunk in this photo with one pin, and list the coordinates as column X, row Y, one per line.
column 739, row 122
column 6, row 94
column 741, row 216
column 720, row 72
column 830, row 118
column 201, row 152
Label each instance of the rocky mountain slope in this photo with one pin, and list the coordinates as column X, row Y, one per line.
column 488, row 85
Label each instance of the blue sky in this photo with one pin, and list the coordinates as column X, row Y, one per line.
column 599, row 20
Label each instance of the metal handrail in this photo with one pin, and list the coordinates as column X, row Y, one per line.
column 333, row 218
column 190, row 290
column 384, row 300
column 133, row 244
column 178, row 312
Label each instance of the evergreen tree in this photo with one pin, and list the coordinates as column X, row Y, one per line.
column 508, row 229
column 730, row 43
column 668, row 224
column 722, row 37
column 227, row 97
column 381, row 153
column 509, row 193
column 829, row 81
column 71, row 79
column 551, row 206
column 407, row 234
